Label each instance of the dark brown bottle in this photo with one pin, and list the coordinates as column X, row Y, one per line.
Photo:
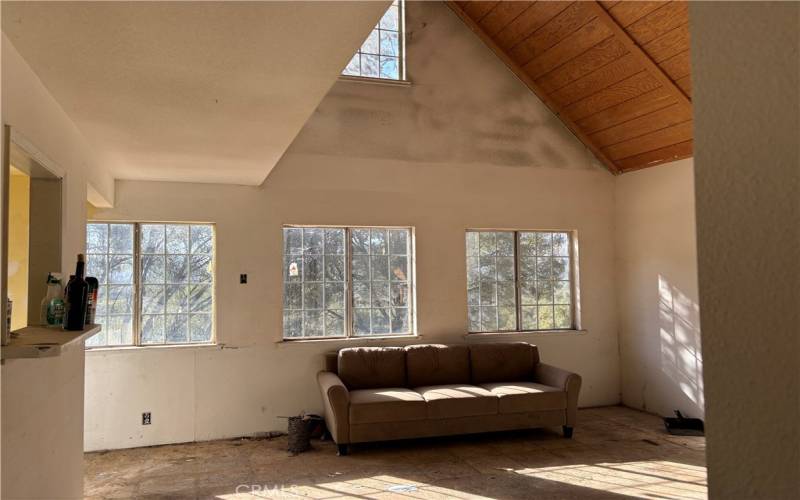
column 91, row 302
column 75, row 297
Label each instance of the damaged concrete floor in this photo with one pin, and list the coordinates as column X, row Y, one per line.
column 616, row 453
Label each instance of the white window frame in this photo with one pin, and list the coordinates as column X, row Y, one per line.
column 574, row 278
column 348, row 284
column 401, row 60
column 136, row 284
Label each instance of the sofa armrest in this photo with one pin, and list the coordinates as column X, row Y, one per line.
column 568, row 381
column 336, row 399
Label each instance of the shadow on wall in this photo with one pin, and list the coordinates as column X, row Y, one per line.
column 679, row 333
column 464, row 107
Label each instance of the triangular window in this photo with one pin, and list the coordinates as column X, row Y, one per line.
column 382, row 54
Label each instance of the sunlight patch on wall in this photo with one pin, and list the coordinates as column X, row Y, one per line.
column 679, row 330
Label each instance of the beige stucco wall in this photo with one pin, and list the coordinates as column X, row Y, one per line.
column 746, row 78
column 656, row 265
column 466, row 145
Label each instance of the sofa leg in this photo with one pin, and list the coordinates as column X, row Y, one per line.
column 568, row 432
column 341, row 450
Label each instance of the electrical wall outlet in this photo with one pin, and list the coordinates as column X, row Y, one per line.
column 243, row 279
column 146, row 420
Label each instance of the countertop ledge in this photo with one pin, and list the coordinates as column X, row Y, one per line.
column 42, row 342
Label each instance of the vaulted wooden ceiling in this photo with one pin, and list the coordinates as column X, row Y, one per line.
column 615, row 72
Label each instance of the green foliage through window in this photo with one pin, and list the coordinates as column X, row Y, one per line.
column 156, row 282
column 519, row 281
column 340, row 282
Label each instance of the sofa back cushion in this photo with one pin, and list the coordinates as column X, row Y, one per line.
column 372, row 367
column 437, row 364
column 503, row 362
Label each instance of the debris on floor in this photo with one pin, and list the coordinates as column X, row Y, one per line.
column 611, row 455
column 682, row 426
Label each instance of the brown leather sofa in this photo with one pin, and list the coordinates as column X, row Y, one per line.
column 384, row 393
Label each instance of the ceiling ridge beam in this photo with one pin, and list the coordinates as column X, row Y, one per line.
column 534, row 87
column 633, row 47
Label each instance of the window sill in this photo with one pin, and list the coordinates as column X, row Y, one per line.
column 375, row 338
column 537, row 333
column 377, row 81
column 137, row 348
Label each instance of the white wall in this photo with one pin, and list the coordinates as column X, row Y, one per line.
column 42, row 451
column 746, row 79
column 205, row 393
column 656, row 263
column 32, row 112
column 42, row 410
column 467, row 145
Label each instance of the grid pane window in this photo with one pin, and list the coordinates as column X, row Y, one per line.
column 341, row 282
column 156, row 282
column 109, row 258
column 519, row 280
column 314, row 284
column 545, row 280
column 176, row 281
column 380, row 262
column 381, row 54
column 491, row 285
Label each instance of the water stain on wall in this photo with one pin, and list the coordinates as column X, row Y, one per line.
column 462, row 106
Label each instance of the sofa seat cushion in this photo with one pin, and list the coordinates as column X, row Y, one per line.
column 391, row 404
column 458, row 400
column 521, row 397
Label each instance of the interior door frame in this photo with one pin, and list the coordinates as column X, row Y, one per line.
column 14, row 139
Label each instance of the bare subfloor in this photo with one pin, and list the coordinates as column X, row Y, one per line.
column 616, row 452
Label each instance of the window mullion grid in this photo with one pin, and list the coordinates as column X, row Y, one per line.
column 303, row 281
column 348, row 276
column 107, row 318
column 517, row 282
column 137, row 295
column 401, row 40
column 412, row 277
column 572, row 266
column 106, row 294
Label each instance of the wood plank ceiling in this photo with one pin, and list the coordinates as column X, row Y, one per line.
column 615, row 72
